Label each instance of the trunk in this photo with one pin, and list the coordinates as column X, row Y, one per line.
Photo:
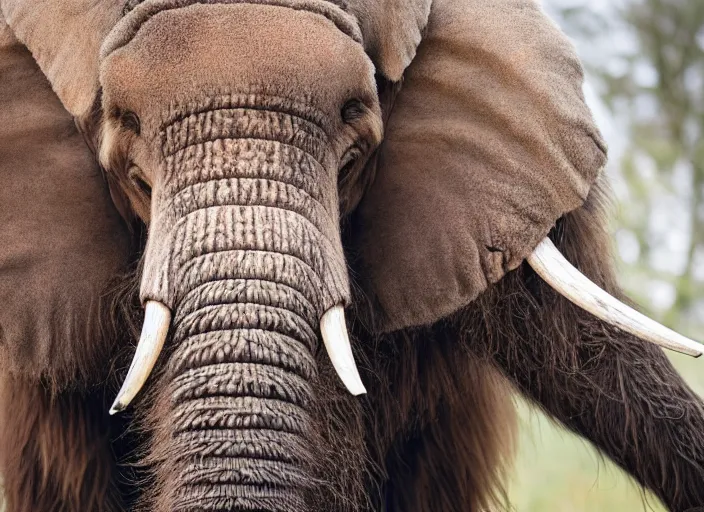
column 239, row 393
column 233, row 112
column 252, row 261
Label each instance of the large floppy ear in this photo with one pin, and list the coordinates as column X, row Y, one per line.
column 61, row 240
column 487, row 144
column 392, row 31
column 65, row 37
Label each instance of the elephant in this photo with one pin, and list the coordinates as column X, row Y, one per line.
column 350, row 230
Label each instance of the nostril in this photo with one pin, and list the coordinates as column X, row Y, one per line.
column 352, row 110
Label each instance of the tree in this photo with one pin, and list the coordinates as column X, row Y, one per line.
column 652, row 81
column 645, row 63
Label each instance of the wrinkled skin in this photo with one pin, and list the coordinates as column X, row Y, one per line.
column 266, row 161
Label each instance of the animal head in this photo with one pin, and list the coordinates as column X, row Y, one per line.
column 487, row 142
column 269, row 146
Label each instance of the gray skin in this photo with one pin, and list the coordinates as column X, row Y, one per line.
column 247, row 138
column 244, row 246
column 249, row 263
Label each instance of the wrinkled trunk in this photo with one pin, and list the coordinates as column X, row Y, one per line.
column 239, row 395
column 252, row 260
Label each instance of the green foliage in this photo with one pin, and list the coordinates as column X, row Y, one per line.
column 645, row 58
column 660, row 94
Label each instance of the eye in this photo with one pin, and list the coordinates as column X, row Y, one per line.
column 127, row 119
column 352, row 110
column 130, row 121
column 137, row 178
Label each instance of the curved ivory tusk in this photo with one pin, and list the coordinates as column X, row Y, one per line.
column 337, row 343
column 157, row 318
column 569, row 282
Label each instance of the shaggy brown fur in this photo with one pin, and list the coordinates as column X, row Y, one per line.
column 55, row 452
column 436, row 433
column 619, row 392
column 440, row 426
column 436, row 430
column 59, row 450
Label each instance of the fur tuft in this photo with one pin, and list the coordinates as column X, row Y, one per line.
column 58, row 457
column 441, row 425
column 617, row 391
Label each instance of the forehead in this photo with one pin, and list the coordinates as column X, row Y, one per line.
column 181, row 54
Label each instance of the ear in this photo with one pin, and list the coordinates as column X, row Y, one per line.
column 62, row 240
column 392, row 30
column 488, row 143
column 65, row 37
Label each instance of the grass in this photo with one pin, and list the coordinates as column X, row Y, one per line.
column 557, row 471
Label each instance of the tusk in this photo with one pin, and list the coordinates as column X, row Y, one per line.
column 553, row 267
column 157, row 318
column 337, row 344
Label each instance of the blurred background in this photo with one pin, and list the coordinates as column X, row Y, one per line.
column 645, row 83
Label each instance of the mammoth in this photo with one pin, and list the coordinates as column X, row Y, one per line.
column 348, row 230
